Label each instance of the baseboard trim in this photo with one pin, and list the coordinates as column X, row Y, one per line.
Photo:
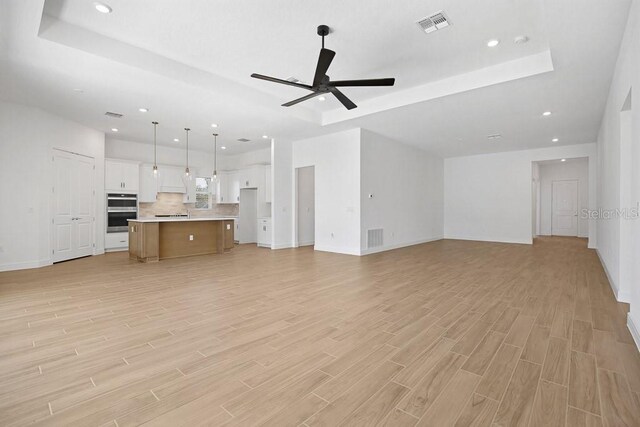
column 337, row 250
column 634, row 329
column 399, row 245
column 281, row 246
column 621, row 297
column 483, row 239
column 26, row 265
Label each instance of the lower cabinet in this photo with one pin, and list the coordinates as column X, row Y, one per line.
column 116, row 241
column 264, row 232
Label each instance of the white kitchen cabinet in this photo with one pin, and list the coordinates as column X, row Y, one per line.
column 116, row 241
column 171, row 179
column 148, row 185
column 264, row 232
column 120, row 175
column 233, row 187
column 190, row 187
column 252, row 177
column 222, row 187
column 267, row 184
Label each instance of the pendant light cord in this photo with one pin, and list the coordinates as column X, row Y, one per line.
column 215, row 154
column 155, row 126
column 187, row 130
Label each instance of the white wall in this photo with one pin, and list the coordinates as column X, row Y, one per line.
column 201, row 161
column 336, row 158
column 282, row 199
column 614, row 187
column 238, row 161
column 488, row 196
column 573, row 169
column 407, row 185
column 26, row 171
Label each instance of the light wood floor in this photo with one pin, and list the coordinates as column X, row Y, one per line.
column 445, row 333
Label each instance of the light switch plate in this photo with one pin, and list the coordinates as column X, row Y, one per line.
column 190, row 236
column 228, row 226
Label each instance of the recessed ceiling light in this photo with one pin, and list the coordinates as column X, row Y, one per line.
column 143, row 110
column 494, row 136
column 78, row 90
column 223, row 148
column 265, row 136
column 321, row 98
column 546, row 113
column 214, row 125
column 176, row 140
column 493, row 43
column 102, row 8
column 114, row 130
column 563, row 160
column 521, row 39
column 555, row 140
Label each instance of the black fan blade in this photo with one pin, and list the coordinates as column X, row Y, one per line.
column 324, row 61
column 284, row 82
column 364, row 82
column 342, row 98
column 304, row 98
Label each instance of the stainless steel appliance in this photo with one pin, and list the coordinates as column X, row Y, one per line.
column 120, row 208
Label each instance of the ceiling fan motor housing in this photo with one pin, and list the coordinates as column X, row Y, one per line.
column 323, row 30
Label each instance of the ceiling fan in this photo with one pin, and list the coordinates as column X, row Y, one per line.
column 322, row 84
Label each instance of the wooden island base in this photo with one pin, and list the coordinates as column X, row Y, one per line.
column 151, row 241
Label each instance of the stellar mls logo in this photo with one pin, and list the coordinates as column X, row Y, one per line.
column 622, row 213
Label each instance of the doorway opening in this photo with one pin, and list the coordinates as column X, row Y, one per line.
column 305, row 209
column 560, row 192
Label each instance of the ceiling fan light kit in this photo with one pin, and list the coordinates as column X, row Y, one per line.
column 322, row 84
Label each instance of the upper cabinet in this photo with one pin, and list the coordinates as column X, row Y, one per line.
column 190, row 189
column 148, row 184
column 252, row 177
column 233, row 186
column 171, row 180
column 222, row 188
column 121, row 176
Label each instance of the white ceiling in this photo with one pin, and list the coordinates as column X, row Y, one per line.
column 189, row 62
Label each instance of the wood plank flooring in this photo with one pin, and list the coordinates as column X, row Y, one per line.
column 440, row 334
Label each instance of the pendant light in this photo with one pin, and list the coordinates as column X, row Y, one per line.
column 155, row 163
column 215, row 155
column 187, row 173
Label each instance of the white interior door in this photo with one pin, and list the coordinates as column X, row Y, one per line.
column 564, row 220
column 73, row 197
column 248, row 216
column 306, row 205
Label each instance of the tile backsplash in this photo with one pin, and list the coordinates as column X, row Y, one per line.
column 171, row 203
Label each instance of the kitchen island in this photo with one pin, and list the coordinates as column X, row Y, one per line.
column 154, row 239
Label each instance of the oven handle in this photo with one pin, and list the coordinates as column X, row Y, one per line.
column 112, row 210
column 122, row 198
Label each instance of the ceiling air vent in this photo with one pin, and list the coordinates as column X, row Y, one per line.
column 434, row 22
column 114, row 115
column 243, row 140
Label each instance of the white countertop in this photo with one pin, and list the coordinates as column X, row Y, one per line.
column 178, row 219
